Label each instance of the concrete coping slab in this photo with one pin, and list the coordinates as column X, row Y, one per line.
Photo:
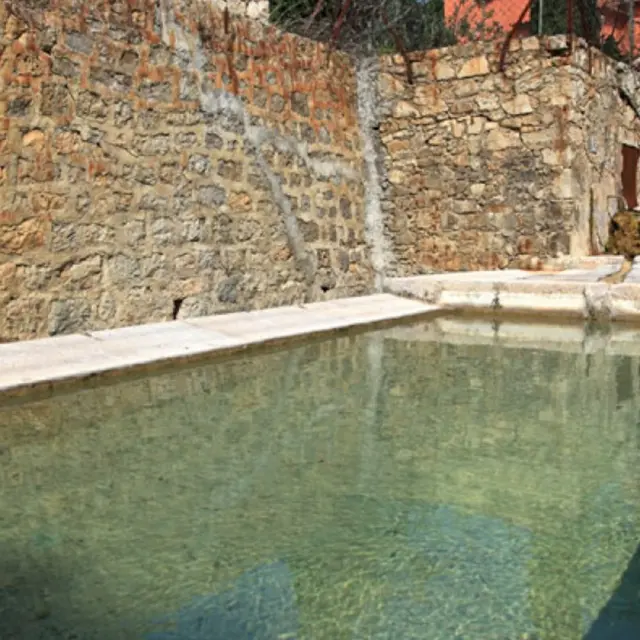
column 25, row 366
column 567, row 338
column 578, row 293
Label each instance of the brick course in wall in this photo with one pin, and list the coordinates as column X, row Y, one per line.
column 157, row 161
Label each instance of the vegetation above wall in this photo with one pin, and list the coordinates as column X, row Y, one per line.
column 373, row 26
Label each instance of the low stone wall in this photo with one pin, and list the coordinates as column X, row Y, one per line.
column 162, row 162
column 486, row 168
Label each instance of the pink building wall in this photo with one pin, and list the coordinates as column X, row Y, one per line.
column 505, row 13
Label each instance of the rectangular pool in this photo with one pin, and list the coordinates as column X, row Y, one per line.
column 381, row 485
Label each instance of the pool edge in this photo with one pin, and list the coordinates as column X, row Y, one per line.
column 296, row 324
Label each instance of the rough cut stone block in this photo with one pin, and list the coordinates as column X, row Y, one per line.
column 474, row 67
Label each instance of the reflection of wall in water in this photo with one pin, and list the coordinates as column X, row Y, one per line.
column 211, row 470
column 546, row 440
column 539, row 428
column 546, row 422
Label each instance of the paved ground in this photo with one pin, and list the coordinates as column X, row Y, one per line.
column 30, row 363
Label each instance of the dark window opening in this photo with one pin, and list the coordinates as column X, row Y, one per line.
column 629, row 175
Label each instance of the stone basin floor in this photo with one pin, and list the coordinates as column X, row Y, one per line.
column 582, row 289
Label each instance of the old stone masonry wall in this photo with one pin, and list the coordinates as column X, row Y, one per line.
column 488, row 169
column 167, row 158
column 472, row 157
column 157, row 161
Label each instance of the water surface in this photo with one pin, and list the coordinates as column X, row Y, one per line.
column 373, row 486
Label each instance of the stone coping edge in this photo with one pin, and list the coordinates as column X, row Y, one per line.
column 35, row 369
column 591, row 301
column 511, row 334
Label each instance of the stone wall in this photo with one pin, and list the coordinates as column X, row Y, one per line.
column 602, row 120
column 254, row 9
column 158, row 162
column 485, row 169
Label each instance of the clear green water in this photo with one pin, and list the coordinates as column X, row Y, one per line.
column 373, row 486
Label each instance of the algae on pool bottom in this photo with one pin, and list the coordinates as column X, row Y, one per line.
column 358, row 487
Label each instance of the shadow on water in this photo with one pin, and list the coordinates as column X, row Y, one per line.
column 260, row 604
column 37, row 601
column 619, row 619
column 40, row 599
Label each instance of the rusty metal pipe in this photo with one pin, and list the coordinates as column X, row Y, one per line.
column 570, row 24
